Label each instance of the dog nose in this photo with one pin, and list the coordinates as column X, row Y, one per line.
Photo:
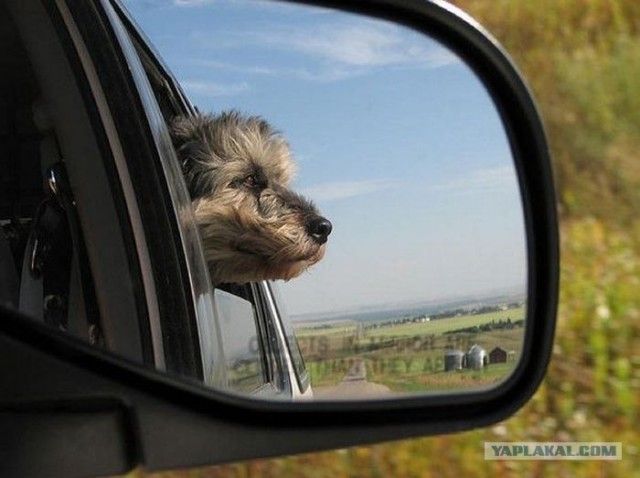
column 319, row 229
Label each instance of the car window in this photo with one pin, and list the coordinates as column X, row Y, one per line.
column 302, row 375
column 167, row 91
column 245, row 321
column 241, row 345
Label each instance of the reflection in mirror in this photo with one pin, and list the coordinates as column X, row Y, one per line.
column 423, row 285
column 242, row 358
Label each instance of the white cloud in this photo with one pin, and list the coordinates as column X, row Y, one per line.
column 192, row 3
column 327, row 73
column 347, row 189
column 362, row 44
column 245, row 69
column 499, row 179
column 208, row 88
column 154, row 4
column 336, row 50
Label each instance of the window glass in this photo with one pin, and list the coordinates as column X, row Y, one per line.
column 240, row 343
column 292, row 342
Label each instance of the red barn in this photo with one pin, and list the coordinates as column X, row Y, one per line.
column 498, row 355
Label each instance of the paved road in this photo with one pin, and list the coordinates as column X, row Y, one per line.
column 357, row 372
column 353, row 385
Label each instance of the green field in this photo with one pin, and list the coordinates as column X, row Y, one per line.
column 409, row 357
column 417, row 380
column 441, row 326
column 408, row 369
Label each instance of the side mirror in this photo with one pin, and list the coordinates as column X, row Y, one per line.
column 66, row 392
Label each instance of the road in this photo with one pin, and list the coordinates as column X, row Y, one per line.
column 354, row 385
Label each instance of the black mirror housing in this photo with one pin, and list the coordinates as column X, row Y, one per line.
column 71, row 396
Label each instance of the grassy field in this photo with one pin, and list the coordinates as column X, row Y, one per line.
column 417, row 375
column 441, row 326
column 340, row 331
column 582, row 60
column 411, row 369
column 408, row 357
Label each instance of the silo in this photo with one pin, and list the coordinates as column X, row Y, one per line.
column 476, row 357
column 453, row 360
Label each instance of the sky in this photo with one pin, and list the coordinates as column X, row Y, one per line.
column 396, row 141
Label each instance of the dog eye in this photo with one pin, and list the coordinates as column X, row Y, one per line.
column 250, row 182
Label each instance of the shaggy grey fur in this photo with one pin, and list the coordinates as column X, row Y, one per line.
column 253, row 227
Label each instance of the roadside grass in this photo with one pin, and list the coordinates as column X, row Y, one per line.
column 327, row 373
column 581, row 58
column 415, row 380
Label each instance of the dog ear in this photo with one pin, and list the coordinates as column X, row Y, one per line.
column 183, row 129
column 187, row 135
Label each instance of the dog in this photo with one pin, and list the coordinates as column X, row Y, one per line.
column 253, row 226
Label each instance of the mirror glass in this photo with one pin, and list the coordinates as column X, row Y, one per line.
column 422, row 288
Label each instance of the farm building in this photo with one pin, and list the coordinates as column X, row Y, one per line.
column 498, row 355
column 476, row 357
column 454, row 360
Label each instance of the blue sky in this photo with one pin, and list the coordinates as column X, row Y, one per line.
column 396, row 141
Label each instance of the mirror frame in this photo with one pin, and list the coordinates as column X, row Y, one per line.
column 133, row 414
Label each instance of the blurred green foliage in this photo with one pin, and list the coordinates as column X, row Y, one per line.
column 582, row 61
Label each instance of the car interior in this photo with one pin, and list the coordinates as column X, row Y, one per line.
column 51, row 172
column 30, row 155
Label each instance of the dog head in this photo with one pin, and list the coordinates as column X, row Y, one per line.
column 253, row 227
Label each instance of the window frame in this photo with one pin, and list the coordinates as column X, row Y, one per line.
column 66, row 78
column 141, row 147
